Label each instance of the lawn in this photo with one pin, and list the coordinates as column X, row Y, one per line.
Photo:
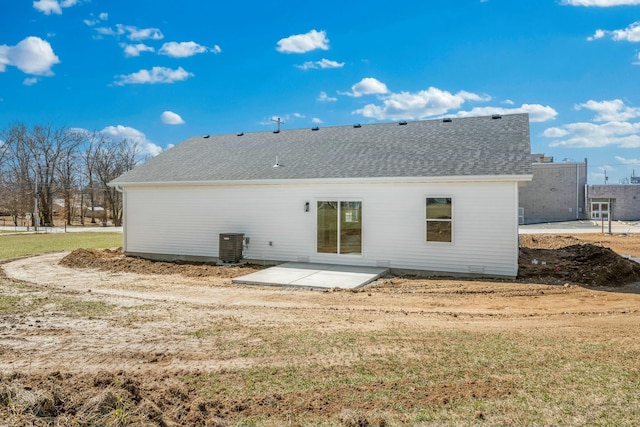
column 17, row 245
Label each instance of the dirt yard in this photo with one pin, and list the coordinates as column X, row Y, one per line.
column 96, row 338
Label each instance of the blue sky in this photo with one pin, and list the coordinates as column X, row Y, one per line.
column 161, row 71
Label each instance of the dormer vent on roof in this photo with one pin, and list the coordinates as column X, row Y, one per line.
column 496, row 116
column 206, row 136
column 241, row 134
column 447, row 120
column 315, row 128
column 357, row 125
column 402, row 123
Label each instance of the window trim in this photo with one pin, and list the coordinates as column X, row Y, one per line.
column 451, row 221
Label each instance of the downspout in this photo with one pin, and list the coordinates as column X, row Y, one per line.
column 587, row 205
column 577, row 191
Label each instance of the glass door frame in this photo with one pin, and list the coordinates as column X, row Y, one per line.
column 344, row 215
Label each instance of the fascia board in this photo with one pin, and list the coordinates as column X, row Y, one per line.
column 383, row 180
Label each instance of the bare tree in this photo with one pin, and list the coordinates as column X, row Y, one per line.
column 41, row 163
column 67, row 170
column 37, row 161
column 18, row 178
column 46, row 145
column 112, row 159
column 92, row 142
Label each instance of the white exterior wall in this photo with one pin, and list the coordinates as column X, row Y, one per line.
column 186, row 221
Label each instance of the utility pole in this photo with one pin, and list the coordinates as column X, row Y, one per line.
column 36, row 213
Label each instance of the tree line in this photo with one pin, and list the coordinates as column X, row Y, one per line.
column 63, row 171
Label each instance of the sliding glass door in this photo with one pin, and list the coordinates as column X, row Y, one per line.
column 340, row 227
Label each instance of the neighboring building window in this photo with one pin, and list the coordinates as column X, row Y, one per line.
column 339, row 227
column 439, row 219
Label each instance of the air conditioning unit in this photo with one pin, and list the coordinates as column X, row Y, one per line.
column 230, row 250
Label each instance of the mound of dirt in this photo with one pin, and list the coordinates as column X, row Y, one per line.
column 584, row 264
column 114, row 260
column 548, row 259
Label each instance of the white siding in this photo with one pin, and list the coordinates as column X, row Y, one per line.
column 187, row 221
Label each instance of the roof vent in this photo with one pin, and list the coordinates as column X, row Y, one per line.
column 402, row 123
column 241, row 134
column 206, row 136
column 496, row 116
column 276, row 131
column 357, row 125
column 447, row 120
column 315, row 128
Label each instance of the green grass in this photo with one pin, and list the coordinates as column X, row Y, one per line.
column 33, row 244
column 442, row 378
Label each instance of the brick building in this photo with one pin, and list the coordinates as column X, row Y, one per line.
column 622, row 202
column 556, row 192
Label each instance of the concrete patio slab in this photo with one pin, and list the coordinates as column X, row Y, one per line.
column 308, row 275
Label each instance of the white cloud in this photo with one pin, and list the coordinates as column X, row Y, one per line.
column 30, row 81
column 48, row 7
column 607, row 111
column 144, row 33
column 626, row 161
column 171, row 118
column 131, row 50
column 322, row 64
column 53, row 6
column 367, row 86
column 508, row 102
column 185, row 49
column 418, row 105
column 590, row 135
column 537, row 112
column 323, row 97
column 155, row 75
column 31, row 56
column 94, row 21
column 132, row 32
column 301, row 43
column 630, row 34
column 107, row 31
column 134, row 135
column 599, row 34
column 317, row 121
column 601, row 3
column 555, row 132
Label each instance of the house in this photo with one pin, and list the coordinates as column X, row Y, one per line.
column 555, row 193
column 437, row 196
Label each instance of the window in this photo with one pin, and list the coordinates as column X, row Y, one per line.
column 439, row 219
column 339, row 227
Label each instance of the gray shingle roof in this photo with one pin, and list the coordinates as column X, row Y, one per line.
column 473, row 146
